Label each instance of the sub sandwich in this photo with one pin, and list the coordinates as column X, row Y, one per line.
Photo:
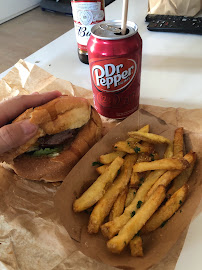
column 67, row 128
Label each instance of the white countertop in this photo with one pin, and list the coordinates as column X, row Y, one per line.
column 171, row 65
column 171, row 76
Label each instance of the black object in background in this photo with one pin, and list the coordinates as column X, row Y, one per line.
column 62, row 6
column 176, row 24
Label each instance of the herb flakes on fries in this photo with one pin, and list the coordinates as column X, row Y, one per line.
column 137, row 190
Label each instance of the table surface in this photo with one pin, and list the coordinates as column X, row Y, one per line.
column 171, row 76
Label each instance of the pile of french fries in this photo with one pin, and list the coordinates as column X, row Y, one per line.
column 136, row 189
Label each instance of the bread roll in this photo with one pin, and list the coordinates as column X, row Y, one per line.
column 60, row 114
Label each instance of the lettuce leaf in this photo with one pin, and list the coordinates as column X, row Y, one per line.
column 46, row 152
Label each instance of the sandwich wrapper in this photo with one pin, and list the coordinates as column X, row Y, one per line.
column 31, row 234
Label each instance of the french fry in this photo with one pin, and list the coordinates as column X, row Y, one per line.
column 136, row 181
column 119, row 205
column 111, row 228
column 161, row 164
column 132, row 147
column 144, row 157
column 124, row 145
column 137, row 178
column 136, row 248
column 181, row 179
column 169, row 151
column 99, row 187
column 166, row 211
column 145, row 147
column 130, row 196
column 148, row 137
column 144, row 129
column 101, row 169
column 178, row 144
column 134, row 225
column 168, row 176
column 165, row 179
column 103, row 207
column 108, row 158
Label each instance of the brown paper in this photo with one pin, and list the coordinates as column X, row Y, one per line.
column 26, row 78
column 31, row 237
column 156, row 244
column 174, row 7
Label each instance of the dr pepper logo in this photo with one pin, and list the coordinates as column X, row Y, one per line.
column 113, row 75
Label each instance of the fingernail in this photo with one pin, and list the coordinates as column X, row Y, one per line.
column 27, row 127
column 35, row 93
column 56, row 92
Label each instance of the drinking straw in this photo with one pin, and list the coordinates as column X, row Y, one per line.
column 124, row 16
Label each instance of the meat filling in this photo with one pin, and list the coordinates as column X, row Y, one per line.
column 57, row 139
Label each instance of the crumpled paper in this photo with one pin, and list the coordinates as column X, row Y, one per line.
column 26, row 78
column 31, row 237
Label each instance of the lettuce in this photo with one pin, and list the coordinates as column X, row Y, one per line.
column 46, row 152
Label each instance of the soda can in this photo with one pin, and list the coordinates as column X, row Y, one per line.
column 115, row 68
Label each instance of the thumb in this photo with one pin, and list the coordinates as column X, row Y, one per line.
column 16, row 134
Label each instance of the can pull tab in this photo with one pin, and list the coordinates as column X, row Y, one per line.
column 110, row 28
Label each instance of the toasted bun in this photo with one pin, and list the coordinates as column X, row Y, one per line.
column 54, row 169
column 62, row 113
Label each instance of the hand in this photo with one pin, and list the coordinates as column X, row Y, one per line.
column 16, row 134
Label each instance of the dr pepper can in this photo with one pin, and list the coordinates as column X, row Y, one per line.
column 115, row 67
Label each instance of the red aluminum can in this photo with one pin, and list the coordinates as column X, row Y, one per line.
column 115, row 67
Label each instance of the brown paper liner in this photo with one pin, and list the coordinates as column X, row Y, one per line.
column 156, row 244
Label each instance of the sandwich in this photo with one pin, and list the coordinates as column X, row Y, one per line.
column 67, row 128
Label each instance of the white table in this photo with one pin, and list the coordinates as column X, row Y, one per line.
column 171, row 76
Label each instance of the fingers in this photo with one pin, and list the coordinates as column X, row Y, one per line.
column 16, row 134
column 13, row 107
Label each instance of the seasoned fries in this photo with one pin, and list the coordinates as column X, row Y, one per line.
column 103, row 207
column 161, row 164
column 99, row 187
column 102, row 169
column 135, row 224
column 144, row 129
column 169, row 151
column 137, row 178
column 166, row 211
column 148, row 137
column 119, row 204
column 108, row 158
column 184, row 176
column 139, row 188
column 132, row 147
column 126, row 146
column 168, row 176
column 130, row 196
column 111, row 228
column 178, row 143
column 165, row 179
column 136, row 248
